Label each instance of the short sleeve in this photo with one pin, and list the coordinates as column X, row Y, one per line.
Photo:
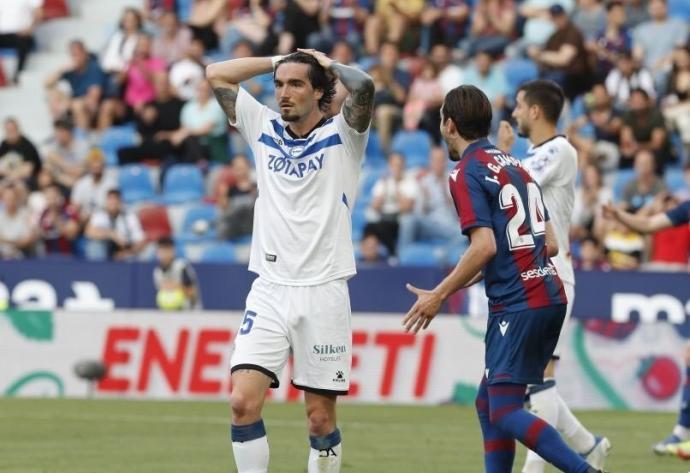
column 354, row 141
column 680, row 214
column 471, row 202
column 136, row 232
column 379, row 189
column 250, row 114
column 100, row 220
column 551, row 165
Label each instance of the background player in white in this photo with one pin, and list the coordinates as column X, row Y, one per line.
column 308, row 168
column 552, row 162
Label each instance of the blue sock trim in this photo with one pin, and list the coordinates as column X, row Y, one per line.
column 325, row 442
column 245, row 433
column 536, row 388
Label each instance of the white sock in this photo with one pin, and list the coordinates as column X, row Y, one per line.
column 681, row 432
column 543, row 404
column 325, row 453
column 572, row 430
column 250, row 447
column 325, row 461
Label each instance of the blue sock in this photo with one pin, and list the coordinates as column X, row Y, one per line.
column 499, row 448
column 684, row 414
column 325, row 442
column 245, row 433
column 507, row 413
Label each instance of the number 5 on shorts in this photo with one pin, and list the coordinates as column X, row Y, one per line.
column 247, row 322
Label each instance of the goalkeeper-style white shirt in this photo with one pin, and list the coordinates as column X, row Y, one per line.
column 307, row 187
column 553, row 165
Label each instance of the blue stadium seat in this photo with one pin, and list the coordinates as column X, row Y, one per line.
column 414, row 145
column 519, row 71
column 358, row 222
column 8, row 52
column 520, row 147
column 114, row 138
column 183, row 184
column 375, row 157
column 136, row 184
column 184, row 9
column 679, row 149
column 454, row 253
column 204, row 213
column 418, row 254
column 679, row 9
column 366, row 185
column 623, row 176
column 675, row 180
column 221, row 252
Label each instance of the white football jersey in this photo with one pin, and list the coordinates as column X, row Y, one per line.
column 307, row 187
column 553, row 164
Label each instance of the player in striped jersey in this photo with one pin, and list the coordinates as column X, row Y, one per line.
column 552, row 162
column 502, row 211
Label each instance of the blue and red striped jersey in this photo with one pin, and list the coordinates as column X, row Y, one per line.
column 491, row 189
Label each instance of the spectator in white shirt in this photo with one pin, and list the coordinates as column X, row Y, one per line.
column 18, row 18
column 394, row 197
column 90, row 192
column 114, row 233
column 625, row 77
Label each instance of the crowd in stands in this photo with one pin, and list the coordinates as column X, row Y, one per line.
column 141, row 150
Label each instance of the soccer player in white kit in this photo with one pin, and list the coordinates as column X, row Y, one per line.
column 308, row 168
column 552, row 162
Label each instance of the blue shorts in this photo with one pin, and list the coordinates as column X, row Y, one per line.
column 520, row 344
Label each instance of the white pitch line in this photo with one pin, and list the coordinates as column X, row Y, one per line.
column 173, row 419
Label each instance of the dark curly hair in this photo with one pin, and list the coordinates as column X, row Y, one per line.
column 319, row 77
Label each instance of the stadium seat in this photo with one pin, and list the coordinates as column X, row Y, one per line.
column 418, row 254
column 183, row 184
column 679, row 9
column 184, row 9
column 114, row 138
column 55, row 9
column 192, row 229
column 366, row 184
column 520, row 147
column 453, row 254
column 219, row 253
column 675, row 180
column 414, row 145
column 155, row 223
column 375, row 157
column 623, row 176
column 135, row 183
column 679, row 150
column 519, row 71
column 358, row 222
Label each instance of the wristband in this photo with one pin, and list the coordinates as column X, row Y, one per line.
column 275, row 60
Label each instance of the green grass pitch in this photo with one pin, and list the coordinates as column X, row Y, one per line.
column 107, row 436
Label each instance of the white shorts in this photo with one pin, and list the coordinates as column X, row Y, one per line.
column 311, row 322
column 570, row 296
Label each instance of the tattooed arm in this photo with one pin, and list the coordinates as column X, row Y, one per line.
column 359, row 104
column 226, row 76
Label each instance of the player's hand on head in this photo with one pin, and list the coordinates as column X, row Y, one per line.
column 324, row 60
column 423, row 311
column 506, row 136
